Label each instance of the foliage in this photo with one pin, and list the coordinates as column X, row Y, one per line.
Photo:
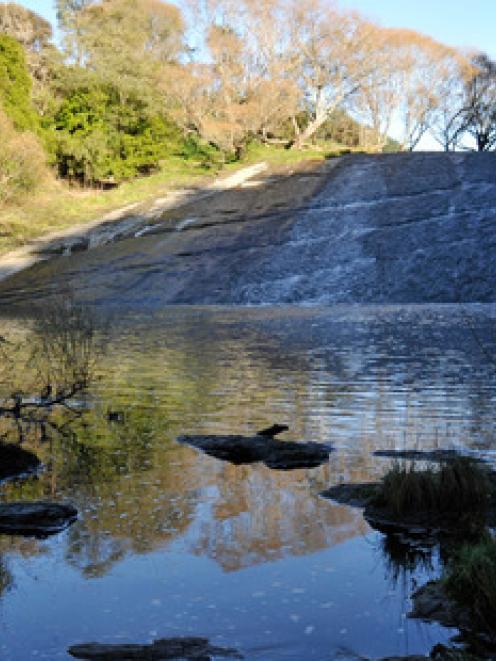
column 460, row 486
column 27, row 27
column 95, row 135
column 22, row 163
column 15, row 84
column 471, row 581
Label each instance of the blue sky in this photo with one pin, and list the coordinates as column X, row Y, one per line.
column 465, row 23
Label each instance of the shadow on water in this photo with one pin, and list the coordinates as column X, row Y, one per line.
column 172, row 542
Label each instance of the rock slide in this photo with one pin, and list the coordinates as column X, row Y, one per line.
column 393, row 228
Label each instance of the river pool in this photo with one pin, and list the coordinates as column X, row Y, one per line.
column 171, row 542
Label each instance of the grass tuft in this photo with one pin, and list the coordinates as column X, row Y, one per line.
column 470, row 580
column 460, row 486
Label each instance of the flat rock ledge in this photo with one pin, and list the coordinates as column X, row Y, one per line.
column 279, row 455
column 16, row 461
column 38, row 518
column 194, row 649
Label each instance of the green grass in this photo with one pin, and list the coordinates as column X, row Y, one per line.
column 460, row 486
column 470, row 580
column 58, row 206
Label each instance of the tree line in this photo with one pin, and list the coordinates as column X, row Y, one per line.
column 132, row 82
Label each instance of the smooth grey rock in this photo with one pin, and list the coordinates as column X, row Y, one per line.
column 197, row 649
column 390, row 228
column 35, row 518
column 281, row 455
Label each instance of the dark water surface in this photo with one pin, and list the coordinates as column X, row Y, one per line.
column 171, row 542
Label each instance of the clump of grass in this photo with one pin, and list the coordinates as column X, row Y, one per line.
column 470, row 580
column 459, row 486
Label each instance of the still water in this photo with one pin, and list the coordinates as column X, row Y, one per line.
column 171, row 542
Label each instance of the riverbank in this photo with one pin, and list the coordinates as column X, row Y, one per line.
column 58, row 206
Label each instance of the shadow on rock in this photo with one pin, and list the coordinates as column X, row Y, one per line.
column 279, row 455
column 190, row 649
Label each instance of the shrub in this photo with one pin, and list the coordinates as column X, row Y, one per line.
column 22, row 163
column 470, row 580
column 15, row 84
column 96, row 135
column 459, row 486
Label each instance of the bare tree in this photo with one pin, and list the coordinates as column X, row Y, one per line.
column 449, row 121
column 331, row 49
column 57, row 361
column 481, row 102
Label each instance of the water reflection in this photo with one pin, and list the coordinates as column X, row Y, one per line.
column 239, row 551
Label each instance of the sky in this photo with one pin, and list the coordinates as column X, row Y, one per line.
column 463, row 23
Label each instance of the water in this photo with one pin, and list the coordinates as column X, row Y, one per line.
column 171, row 542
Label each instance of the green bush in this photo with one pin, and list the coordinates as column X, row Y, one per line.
column 459, row 486
column 95, row 135
column 470, row 580
column 15, row 84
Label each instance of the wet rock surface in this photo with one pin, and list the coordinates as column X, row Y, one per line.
column 188, row 649
column 281, row 455
column 392, row 228
column 15, row 460
column 38, row 518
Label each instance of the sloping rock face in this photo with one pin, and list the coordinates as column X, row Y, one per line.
column 405, row 228
column 393, row 228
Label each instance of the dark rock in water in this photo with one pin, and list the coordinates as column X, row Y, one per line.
column 355, row 495
column 14, row 461
column 281, row 455
column 272, row 431
column 197, row 649
column 431, row 603
column 37, row 518
column 423, row 455
column 421, row 523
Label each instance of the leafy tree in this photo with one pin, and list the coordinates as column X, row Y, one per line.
column 15, row 84
column 125, row 41
column 96, row 135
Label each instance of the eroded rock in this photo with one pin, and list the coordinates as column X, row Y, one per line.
column 280, row 455
column 37, row 518
column 198, row 649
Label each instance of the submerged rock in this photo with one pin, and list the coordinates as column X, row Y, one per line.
column 35, row 518
column 431, row 603
column 423, row 455
column 15, row 460
column 281, row 455
column 165, row 648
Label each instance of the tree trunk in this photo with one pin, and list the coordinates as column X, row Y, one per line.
column 310, row 130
